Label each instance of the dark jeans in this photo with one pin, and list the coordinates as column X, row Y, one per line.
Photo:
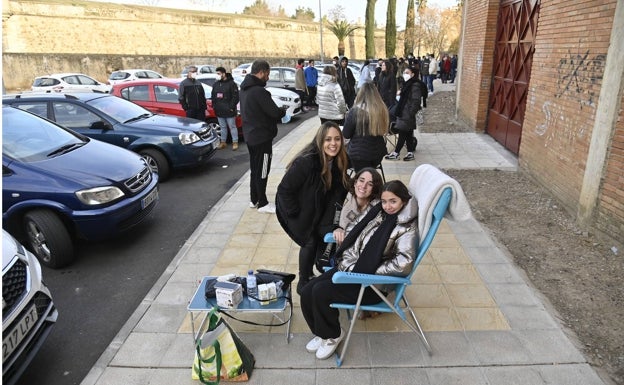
column 316, row 297
column 259, row 165
column 311, row 102
column 339, row 122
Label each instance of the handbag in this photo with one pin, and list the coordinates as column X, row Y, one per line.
column 220, row 355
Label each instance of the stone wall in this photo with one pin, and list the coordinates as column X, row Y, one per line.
column 50, row 36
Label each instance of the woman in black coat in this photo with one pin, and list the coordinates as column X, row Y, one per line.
column 405, row 112
column 314, row 181
column 387, row 84
column 365, row 126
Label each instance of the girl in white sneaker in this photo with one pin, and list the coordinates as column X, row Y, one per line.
column 382, row 241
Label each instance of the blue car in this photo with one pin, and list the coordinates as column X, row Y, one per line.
column 58, row 185
column 165, row 142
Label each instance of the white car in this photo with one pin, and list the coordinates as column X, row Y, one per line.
column 68, row 82
column 133, row 74
column 242, row 70
column 201, row 69
column 282, row 97
column 28, row 312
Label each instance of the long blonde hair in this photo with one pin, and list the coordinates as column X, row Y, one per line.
column 316, row 147
column 372, row 117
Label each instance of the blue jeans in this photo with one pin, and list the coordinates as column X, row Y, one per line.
column 430, row 82
column 230, row 123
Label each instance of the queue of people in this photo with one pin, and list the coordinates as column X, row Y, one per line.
column 374, row 224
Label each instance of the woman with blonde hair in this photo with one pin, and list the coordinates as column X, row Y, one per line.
column 366, row 124
column 314, row 180
column 329, row 97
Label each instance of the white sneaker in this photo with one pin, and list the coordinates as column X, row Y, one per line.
column 314, row 344
column 269, row 208
column 328, row 346
column 252, row 205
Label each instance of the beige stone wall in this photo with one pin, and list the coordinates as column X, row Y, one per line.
column 72, row 35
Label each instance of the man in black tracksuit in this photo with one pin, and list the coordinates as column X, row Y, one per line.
column 260, row 117
column 192, row 96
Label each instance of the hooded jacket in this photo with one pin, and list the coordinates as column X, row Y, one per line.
column 259, row 112
column 225, row 98
column 330, row 100
column 400, row 251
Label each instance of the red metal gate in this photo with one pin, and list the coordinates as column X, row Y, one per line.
column 513, row 55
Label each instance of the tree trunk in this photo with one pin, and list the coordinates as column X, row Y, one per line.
column 391, row 29
column 410, row 29
column 369, row 33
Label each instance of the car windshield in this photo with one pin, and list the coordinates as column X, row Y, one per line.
column 29, row 138
column 119, row 109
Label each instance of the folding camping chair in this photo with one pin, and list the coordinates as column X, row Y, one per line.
column 430, row 214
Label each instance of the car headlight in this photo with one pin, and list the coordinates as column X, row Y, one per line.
column 99, row 195
column 188, row 137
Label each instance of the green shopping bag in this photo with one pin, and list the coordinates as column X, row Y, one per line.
column 220, row 355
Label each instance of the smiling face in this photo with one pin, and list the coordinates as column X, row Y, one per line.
column 364, row 186
column 391, row 203
column 332, row 142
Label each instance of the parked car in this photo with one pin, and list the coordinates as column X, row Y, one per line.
column 134, row 74
column 201, row 69
column 241, row 70
column 282, row 97
column 161, row 97
column 58, row 185
column 68, row 82
column 165, row 142
column 282, row 77
column 28, row 312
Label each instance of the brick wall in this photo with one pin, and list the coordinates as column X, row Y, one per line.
column 476, row 63
column 610, row 211
column 566, row 79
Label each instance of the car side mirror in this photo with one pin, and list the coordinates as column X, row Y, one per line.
column 100, row 125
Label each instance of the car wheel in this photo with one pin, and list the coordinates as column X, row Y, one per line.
column 215, row 126
column 48, row 238
column 157, row 162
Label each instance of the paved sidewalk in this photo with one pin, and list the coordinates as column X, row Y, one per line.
column 485, row 322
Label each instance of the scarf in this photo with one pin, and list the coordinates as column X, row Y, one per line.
column 372, row 254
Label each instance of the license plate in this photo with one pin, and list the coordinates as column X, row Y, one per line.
column 149, row 199
column 19, row 332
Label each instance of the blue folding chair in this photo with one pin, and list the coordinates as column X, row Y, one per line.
column 399, row 304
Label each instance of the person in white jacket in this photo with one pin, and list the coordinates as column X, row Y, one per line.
column 329, row 97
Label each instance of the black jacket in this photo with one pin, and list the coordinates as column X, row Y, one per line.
column 408, row 105
column 225, row 98
column 367, row 148
column 301, row 200
column 347, row 81
column 192, row 95
column 259, row 112
column 387, row 87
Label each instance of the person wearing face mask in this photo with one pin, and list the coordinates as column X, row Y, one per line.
column 405, row 111
column 224, row 102
column 260, row 117
column 192, row 96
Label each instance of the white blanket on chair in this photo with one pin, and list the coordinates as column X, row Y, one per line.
column 426, row 184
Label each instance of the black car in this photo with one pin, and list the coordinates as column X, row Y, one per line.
column 166, row 142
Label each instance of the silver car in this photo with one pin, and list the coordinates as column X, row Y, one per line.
column 28, row 312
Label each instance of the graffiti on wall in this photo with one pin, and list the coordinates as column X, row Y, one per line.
column 579, row 75
column 579, row 78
